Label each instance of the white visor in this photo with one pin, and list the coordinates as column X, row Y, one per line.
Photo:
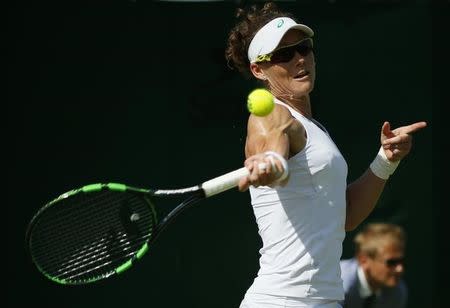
column 269, row 36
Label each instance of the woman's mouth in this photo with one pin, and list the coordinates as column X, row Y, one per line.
column 301, row 75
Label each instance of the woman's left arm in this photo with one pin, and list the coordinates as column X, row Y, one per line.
column 363, row 194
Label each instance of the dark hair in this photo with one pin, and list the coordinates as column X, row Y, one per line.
column 249, row 21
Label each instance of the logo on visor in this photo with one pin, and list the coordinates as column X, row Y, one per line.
column 280, row 23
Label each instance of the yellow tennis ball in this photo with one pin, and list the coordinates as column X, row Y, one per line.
column 260, row 102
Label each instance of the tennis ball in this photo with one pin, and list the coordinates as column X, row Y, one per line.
column 260, row 102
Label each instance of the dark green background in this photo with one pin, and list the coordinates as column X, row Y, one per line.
column 119, row 91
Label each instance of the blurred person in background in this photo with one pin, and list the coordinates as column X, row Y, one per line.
column 373, row 277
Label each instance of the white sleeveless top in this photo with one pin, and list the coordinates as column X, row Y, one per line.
column 302, row 225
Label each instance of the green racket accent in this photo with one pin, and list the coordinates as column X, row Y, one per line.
column 129, row 263
column 117, row 186
column 99, row 186
column 143, row 251
column 100, row 230
column 60, row 281
column 91, row 233
column 91, row 188
column 124, row 267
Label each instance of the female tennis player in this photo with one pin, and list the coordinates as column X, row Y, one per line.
column 303, row 214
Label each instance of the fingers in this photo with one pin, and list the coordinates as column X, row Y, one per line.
column 401, row 134
column 386, row 130
column 263, row 170
column 397, row 147
column 259, row 175
column 413, row 127
column 243, row 184
column 404, row 138
column 397, row 143
column 395, row 152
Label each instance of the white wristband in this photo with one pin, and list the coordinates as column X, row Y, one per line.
column 271, row 155
column 383, row 167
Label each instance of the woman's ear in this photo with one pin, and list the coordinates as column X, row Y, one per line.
column 257, row 71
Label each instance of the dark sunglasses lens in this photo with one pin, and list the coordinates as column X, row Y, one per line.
column 394, row 262
column 283, row 55
column 304, row 48
column 286, row 54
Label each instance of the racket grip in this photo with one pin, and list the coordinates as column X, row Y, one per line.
column 224, row 182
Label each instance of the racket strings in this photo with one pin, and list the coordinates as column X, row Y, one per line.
column 98, row 252
column 190, row 200
column 83, row 236
column 83, row 264
column 87, row 274
column 70, row 208
column 85, row 229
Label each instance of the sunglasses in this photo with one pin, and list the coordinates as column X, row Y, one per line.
column 286, row 53
column 394, row 262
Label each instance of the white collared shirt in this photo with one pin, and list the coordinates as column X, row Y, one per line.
column 364, row 288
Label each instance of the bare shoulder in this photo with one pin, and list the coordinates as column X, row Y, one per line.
column 279, row 119
column 278, row 130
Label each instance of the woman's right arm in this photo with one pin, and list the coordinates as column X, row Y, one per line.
column 264, row 134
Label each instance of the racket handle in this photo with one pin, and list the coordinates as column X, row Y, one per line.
column 224, row 182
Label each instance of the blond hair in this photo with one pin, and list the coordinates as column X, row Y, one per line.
column 373, row 236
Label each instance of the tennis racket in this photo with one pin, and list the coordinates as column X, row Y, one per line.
column 101, row 230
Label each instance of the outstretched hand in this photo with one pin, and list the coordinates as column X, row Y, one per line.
column 397, row 143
